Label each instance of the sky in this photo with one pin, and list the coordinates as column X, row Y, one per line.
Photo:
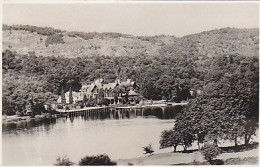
column 166, row 18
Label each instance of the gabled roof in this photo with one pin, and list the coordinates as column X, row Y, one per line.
column 99, row 84
column 127, row 83
column 110, row 86
column 85, row 87
column 92, row 87
column 133, row 93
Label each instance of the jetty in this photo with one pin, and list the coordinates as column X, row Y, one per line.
column 119, row 111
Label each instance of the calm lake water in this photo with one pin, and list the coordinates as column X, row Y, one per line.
column 77, row 137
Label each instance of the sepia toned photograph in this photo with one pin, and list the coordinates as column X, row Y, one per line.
column 130, row 83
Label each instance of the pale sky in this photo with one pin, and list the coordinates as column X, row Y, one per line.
column 135, row 18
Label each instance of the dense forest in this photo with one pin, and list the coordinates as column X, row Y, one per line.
column 163, row 66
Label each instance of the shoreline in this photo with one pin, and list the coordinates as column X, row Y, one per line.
column 17, row 119
column 24, row 122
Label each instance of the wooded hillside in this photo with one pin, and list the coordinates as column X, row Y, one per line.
column 46, row 60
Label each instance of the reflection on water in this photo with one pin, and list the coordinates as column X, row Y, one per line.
column 24, row 125
column 166, row 113
column 80, row 136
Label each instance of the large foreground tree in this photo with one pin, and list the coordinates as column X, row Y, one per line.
column 227, row 109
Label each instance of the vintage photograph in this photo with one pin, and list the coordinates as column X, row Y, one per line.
column 130, row 83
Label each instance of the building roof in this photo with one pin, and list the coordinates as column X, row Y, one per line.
column 91, row 87
column 110, row 86
column 109, row 98
column 99, row 84
column 128, row 82
column 85, row 87
column 133, row 93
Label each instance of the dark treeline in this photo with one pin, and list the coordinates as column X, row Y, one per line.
column 92, row 35
column 158, row 77
column 39, row 30
column 48, row 31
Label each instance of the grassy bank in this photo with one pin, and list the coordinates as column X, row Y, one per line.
column 229, row 157
column 230, row 161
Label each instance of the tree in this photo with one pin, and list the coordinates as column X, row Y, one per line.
column 85, row 99
column 170, row 138
column 235, row 128
column 70, row 96
column 183, row 129
column 63, row 98
column 8, row 59
column 54, row 39
column 248, row 98
column 51, row 99
column 148, row 149
column 102, row 159
column 100, row 97
column 210, row 151
column 22, row 91
column 166, row 84
column 63, row 161
column 223, row 110
column 7, row 107
column 91, row 101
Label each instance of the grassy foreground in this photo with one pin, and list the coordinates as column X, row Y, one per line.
column 230, row 161
column 229, row 157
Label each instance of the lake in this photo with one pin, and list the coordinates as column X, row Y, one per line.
column 78, row 136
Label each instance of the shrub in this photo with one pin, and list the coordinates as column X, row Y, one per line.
column 217, row 162
column 102, row 159
column 54, row 39
column 103, row 102
column 59, row 106
column 210, row 151
column 148, row 149
column 64, row 161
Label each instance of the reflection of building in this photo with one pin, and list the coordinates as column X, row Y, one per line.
column 118, row 92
